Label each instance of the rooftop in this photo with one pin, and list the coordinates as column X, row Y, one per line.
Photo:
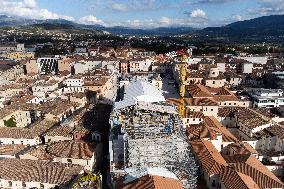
column 208, row 155
column 37, row 171
column 71, row 149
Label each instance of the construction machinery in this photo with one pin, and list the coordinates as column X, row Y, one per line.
column 183, row 56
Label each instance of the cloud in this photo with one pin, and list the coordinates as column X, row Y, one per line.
column 90, row 20
column 28, row 9
column 141, row 5
column 213, row 1
column 162, row 22
column 198, row 13
column 267, row 7
column 30, row 4
column 165, row 21
column 237, row 18
column 119, row 7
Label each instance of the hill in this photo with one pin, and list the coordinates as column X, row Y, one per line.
column 258, row 28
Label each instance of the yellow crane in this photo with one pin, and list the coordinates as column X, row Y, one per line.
column 184, row 59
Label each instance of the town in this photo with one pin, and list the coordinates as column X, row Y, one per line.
column 124, row 117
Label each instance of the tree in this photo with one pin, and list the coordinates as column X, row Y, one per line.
column 10, row 122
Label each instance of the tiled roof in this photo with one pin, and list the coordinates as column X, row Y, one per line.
column 195, row 132
column 193, row 102
column 39, row 152
column 227, row 111
column 250, row 118
column 198, row 91
column 219, row 91
column 227, row 136
column 276, row 130
column 239, row 148
column 35, row 130
column 266, row 112
column 11, row 149
column 195, row 75
column 252, row 167
column 249, row 148
column 236, row 180
column 71, row 149
column 225, row 98
column 153, row 182
column 200, row 102
column 37, row 171
column 64, row 131
column 209, row 157
column 190, row 114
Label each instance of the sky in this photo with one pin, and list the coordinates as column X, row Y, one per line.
column 144, row 13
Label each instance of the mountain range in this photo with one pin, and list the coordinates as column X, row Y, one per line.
column 262, row 27
column 259, row 27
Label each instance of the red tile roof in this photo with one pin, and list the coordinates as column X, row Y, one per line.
column 236, row 180
column 211, row 160
column 252, row 167
column 153, row 182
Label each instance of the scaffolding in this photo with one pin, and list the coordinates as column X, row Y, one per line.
column 154, row 137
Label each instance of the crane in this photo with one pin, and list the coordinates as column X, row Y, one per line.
column 183, row 54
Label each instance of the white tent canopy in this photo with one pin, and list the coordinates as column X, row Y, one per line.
column 140, row 91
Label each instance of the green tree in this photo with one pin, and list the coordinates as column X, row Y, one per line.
column 10, row 122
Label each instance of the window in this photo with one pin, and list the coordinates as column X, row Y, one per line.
column 212, row 110
column 213, row 183
column 41, row 186
column 10, row 183
column 24, row 184
column 69, row 160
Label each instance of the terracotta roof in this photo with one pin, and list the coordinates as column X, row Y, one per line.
column 200, row 102
column 227, row 136
column 265, row 111
column 39, row 152
column 37, row 171
column 71, row 149
column 276, row 130
column 228, row 111
column 219, row 91
column 198, row 91
column 239, row 148
column 153, row 182
column 250, row 118
column 252, row 167
column 193, row 102
column 249, row 148
column 225, row 98
column 65, row 131
column 195, row 75
column 236, row 180
column 190, row 114
column 200, row 131
column 11, row 149
column 209, row 157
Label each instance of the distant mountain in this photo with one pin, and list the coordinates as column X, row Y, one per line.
column 255, row 28
column 258, row 28
column 15, row 21
column 118, row 30
column 161, row 31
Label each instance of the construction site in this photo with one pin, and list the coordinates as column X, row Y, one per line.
column 149, row 134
